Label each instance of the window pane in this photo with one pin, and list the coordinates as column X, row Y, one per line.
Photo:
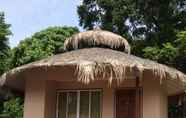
column 95, row 104
column 72, row 104
column 68, row 103
column 62, row 103
column 84, row 104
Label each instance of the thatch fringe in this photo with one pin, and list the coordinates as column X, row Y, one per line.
column 89, row 71
column 97, row 38
column 97, row 63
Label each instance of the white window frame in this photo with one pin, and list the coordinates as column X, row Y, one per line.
column 78, row 100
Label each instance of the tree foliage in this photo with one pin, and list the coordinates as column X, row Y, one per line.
column 13, row 108
column 42, row 44
column 180, row 61
column 4, row 47
column 172, row 53
column 166, row 54
column 156, row 21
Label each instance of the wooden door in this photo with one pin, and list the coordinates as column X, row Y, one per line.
column 126, row 104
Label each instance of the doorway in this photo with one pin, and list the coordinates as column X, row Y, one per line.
column 127, row 103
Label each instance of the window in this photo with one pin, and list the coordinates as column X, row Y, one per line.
column 79, row 104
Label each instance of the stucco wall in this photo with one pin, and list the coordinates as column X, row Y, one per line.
column 40, row 97
column 34, row 106
column 154, row 99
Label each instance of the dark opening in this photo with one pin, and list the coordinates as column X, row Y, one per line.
column 177, row 106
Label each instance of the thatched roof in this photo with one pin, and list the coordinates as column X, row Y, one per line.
column 98, row 62
column 94, row 62
column 97, row 38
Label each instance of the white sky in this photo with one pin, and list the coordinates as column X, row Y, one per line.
column 29, row 16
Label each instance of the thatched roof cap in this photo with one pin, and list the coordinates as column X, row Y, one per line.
column 97, row 38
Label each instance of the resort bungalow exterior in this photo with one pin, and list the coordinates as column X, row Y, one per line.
column 96, row 77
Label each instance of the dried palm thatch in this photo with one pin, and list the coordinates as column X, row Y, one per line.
column 105, row 63
column 97, row 38
column 102, row 58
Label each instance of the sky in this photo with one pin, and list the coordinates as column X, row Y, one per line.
column 29, row 16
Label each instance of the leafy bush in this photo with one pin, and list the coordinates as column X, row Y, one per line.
column 12, row 108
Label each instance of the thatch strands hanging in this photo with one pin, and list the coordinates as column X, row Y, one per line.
column 98, row 63
column 91, row 71
column 97, row 38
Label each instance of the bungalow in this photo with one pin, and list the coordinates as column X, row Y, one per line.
column 96, row 77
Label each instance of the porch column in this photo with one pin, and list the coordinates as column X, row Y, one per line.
column 35, row 90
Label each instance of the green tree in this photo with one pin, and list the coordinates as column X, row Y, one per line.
column 5, row 54
column 4, row 46
column 42, row 44
column 156, row 21
column 180, row 61
column 13, row 108
column 166, row 54
column 172, row 53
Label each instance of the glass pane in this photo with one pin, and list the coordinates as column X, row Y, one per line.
column 72, row 104
column 62, row 103
column 95, row 104
column 84, row 104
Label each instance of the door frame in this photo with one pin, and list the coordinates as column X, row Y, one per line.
column 139, row 100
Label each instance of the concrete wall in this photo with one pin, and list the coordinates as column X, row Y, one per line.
column 40, row 97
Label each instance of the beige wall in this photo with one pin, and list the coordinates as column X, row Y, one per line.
column 154, row 99
column 40, row 97
column 34, row 106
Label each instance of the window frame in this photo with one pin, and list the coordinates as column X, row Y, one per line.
column 78, row 100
